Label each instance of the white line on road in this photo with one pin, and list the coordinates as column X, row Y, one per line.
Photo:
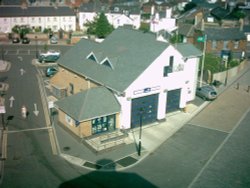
column 25, row 130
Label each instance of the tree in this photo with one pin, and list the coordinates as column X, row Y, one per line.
column 103, row 27
column 99, row 26
column 21, row 30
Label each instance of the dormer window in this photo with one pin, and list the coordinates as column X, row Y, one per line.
column 107, row 63
column 98, row 57
column 92, row 57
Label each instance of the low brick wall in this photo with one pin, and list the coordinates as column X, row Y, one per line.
column 231, row 72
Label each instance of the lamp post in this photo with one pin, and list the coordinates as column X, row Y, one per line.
column 226, row 72
column 140, row 132
column 36, row 47
column 2, row 53
column 204, row 39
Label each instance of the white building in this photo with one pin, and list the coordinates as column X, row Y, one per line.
column 145, row 76
column 55, row 18
column 116, row 15
column 162, row 20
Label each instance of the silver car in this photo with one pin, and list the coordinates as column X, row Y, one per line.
column 207, row 92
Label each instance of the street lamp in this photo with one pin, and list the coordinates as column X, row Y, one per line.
column 2, row 53
column 226, row 73
column 140, row 132
column 36, row 47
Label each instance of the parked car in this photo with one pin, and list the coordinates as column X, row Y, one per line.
column 53, row 40
column 50, row 56
column 207, row 92
column 15, row 40
column 25, row 40
column 51, row 71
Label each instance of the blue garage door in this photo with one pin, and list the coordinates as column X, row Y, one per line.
column 147, row 107
column 173, row 100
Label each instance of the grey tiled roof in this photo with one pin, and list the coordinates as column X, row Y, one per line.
column 129, row 51
column 15, row 11
column 224, row 34
column 89, row 104
column 186, row 29
column 188, row 50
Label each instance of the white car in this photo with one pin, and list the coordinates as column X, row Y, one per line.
column 49, row 56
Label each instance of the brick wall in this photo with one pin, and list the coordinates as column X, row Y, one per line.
column 64, row 78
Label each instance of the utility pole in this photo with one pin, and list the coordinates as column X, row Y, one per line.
column 203, row 58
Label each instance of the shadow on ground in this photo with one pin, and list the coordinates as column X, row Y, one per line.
column 110, row 179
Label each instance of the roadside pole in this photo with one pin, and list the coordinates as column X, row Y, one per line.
column 202, row 39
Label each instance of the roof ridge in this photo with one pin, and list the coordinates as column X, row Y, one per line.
column 84, row 102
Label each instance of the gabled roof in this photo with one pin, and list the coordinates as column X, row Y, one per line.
column 17, row 11
column 186, row 29
column 188, row 50
column 224, row 34
column 89, row 104
column 129, row 51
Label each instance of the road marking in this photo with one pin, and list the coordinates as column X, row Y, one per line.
column 26, row 130
column 11, row 101
column 36, row 112
column 49, row 123
column 206, row 127
column 22, row 71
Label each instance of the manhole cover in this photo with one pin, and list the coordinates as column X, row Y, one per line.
column 126, row 161
column 66, row 148
column 92, row 165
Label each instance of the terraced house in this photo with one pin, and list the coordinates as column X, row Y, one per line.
column 55, row 18
column 128, row 79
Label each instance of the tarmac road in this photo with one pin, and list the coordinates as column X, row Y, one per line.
column 211, row 150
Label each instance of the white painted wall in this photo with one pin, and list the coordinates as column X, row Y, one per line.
column 66, row 23
column 153, row 78
column 114, row 19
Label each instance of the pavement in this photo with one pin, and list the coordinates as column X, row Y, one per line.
column 126, row 156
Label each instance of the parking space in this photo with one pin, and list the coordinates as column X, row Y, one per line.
column 224, row 114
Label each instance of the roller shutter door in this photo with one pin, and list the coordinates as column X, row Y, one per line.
column 149, row 107
column 173, row 100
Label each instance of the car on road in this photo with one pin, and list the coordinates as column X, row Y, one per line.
column 51, row 71
column 25, row 40
column 49, row 56
column 53, row 40
column 207, row 92
column 3, row 87
column 15, row 40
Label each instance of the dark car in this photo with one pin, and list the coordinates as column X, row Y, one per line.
column 15, row 40
column 51, row 71
column 25, row 40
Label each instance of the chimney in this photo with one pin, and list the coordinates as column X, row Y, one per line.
column 152, row 10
